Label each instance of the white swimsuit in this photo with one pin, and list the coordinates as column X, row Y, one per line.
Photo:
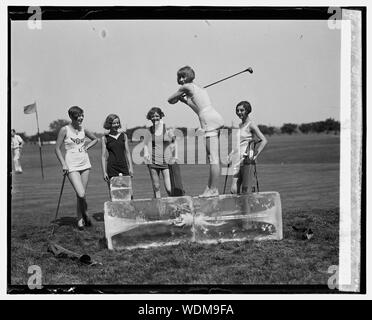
column 76, row 157
column 244, row 136
column 210, row 119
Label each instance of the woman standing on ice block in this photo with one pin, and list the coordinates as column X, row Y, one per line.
column 211, row 122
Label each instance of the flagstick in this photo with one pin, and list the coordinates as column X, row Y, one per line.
column 38, row 135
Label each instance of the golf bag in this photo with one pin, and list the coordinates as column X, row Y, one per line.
column 176, row 180
column 248, row 180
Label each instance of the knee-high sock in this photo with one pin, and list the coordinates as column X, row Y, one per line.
column 78, row 211
column 83, row 207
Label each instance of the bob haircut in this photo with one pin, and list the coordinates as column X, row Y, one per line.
column 154, row 110
column 246, row 105
column 186, row 72
column 74, row 112
column 109, row 120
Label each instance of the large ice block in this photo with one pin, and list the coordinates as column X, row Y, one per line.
column 167, row 221
column 146, row 222
column 255, row 216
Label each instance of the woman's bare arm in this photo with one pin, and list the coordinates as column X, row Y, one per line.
column 60, row 139
column 263, row 139
column 179, row 95
column 127, row 151
column 93, row 139
column 104, row 157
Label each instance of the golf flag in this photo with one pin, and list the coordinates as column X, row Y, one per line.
column 31, row 108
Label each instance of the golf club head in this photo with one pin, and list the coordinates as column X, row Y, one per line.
column 250, row 70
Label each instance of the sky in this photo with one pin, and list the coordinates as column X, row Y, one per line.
column 128, row 66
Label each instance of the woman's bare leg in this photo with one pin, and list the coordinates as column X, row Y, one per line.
column 155, row 182
column 167, row 182
column 77, row 184
column 84, row 178
column 214, row 167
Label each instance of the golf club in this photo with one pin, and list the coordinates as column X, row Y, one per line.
column 226, row 177
column 59, row 201
column 109, row 190
column 250, row 70
column 255, row 174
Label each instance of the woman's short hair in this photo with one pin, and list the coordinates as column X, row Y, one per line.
column 154, row 110
column 186, row 72
column 246, row 105
column 109, row 120
column 74, row 112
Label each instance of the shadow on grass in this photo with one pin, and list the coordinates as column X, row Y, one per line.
column 98, row 216
column 65, row 221
column 72, row 221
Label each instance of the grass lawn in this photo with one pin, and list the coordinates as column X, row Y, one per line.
column 290, row 261
column 304, row 169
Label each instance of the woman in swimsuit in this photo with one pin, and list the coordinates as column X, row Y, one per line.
column 116, row 158
column 244, row 153
column 163, row 150
column 211, row 122
column 76, row 163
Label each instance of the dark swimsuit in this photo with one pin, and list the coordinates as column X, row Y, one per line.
column 159, row 148
column 117, row 160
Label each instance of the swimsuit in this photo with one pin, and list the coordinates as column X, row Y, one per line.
column 160, row 151
column 117, row 160
column 210, row 119
column 244, row 137
column 76, row 157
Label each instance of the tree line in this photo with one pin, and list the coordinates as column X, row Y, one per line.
column 328, row 126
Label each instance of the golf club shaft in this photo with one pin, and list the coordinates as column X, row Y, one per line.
column 109, row 190
column 209, row 85
column 227, row 175
column 255, row 173
column 59, row 200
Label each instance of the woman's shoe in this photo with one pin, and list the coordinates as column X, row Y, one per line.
column 210, row 193
column 80, row 224
column 213, row 192
column 87, row 221
column 206, row 191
